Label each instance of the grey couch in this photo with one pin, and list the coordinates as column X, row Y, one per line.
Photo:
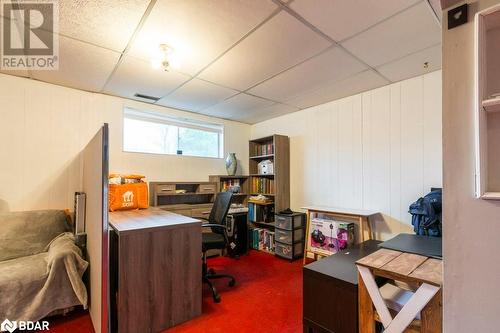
column 41, row 268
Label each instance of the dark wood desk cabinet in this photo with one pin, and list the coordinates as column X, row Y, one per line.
column 155, row 270
column 331, row 291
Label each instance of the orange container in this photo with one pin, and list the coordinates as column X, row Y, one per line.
column 128, row 196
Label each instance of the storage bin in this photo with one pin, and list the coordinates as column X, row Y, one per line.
column 289, row 222
column 288, row 251
column 289, row 236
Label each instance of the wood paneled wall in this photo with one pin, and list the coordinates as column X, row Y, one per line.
column 377, row 150
column 44, row 127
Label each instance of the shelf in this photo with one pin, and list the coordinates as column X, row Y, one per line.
column 266, row 194
column 261, row 156
column 267, row 224
column 491, row 196
column 492, row 105
column 230, row 177
column 261, row 203
column 239, row 194
column 257, row 175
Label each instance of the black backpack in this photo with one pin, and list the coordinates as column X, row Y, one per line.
column 426, row 214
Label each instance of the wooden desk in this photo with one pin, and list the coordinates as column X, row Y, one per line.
column 423, row 273
column 358, row 215
column 155, row 270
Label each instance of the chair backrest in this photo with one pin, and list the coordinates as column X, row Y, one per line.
column 220, row 208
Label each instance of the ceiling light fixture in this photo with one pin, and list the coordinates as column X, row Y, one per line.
column 164, row 58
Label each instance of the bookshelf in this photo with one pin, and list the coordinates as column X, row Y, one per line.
column 275, row 185
column 487, row 77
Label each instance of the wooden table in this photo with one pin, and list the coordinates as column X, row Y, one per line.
column 359, row 215
column 155, row 270
column 424, row 273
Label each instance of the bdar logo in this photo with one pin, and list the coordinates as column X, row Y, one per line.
column 8, row 325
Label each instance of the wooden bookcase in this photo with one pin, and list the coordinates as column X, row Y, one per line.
column 487, row 75
column 277, row 185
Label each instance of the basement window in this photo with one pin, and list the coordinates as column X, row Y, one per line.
column 156, row 133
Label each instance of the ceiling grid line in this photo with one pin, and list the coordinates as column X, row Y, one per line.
column 148, row 10
column 381, row 21
column 322, row 34
column 273, row 14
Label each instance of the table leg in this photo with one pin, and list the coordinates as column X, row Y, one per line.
column 362, row 228
column 308, row 221
column 432, row 315
column 365, row 309
column 370, row 231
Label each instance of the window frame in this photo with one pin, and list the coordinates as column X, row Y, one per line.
column 162, row 118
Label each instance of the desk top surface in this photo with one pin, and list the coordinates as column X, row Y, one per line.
column 134, row 220
column 341, row 265
column 405, row 266
column 340, row 210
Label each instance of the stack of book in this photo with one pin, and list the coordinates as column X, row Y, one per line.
column 263, row 149
column 227, row 184
column 262, row 239
column 262, row 185
column 260, row 213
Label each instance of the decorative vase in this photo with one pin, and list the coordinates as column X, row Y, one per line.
column 231, row 164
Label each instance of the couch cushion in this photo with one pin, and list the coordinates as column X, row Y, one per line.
column 27, row 233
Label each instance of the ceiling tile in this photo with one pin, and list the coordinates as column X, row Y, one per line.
column 109, row 23
column 341, row 19
column 81, row 65
column 196, row 95
column 137, row 76
column 268, row 112
column 413, row 64
column 412, row 30
column 332, row 65
column 237, row 107
column 280, row 43
column 198, row 31
column 353, row 85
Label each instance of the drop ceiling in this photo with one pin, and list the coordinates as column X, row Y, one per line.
column 244, row 60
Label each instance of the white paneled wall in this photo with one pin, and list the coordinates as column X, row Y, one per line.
column 44, row 127
column 377, row 150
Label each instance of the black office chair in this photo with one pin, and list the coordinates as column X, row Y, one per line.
column 217, row 239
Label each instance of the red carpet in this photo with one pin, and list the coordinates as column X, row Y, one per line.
column 267, row 297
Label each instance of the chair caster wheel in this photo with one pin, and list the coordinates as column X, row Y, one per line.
column 231, row 283
column 217, row 299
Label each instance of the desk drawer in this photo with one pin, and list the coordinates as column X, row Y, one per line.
column 201, row 212
column 165, row 189
column 208, row 188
